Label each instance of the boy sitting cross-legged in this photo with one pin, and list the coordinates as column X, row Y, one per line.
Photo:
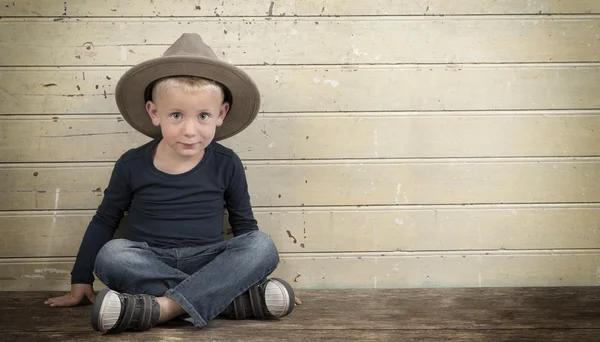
column 175, row 188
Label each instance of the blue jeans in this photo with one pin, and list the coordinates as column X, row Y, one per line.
column 202, row 280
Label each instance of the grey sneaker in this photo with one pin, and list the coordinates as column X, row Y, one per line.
column 270, row 298
column 115, row 312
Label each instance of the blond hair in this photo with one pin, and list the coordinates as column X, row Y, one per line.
column 187, row 84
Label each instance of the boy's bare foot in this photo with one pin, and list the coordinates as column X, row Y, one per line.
column 169, row 309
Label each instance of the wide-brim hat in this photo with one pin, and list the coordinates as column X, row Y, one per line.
column 188, row 56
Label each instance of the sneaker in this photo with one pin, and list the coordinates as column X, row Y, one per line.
column 115, row 312
column 270, row 298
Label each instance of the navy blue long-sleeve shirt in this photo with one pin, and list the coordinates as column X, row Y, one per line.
column 168, row 211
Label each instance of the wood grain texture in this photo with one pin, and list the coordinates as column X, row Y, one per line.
column 219, row 8
column 332, row 88
column 486, row 314
column 370, row 270
column 436, row 309
column 72, row 186
column 355, row 40
column 461, row 151
column 227, row 333
column 306, row 230
column 309, row 136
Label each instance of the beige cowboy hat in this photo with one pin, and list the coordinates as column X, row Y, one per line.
column 189, row 56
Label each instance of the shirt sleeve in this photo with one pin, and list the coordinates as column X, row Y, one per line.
column 116, row 200
column 237, row 200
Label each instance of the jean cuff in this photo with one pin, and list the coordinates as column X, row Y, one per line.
column 197, row 320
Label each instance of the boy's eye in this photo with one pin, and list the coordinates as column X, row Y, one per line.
column 204, row 116
column 176, row 116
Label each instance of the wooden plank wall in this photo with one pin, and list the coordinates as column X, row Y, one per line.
column 402, row 143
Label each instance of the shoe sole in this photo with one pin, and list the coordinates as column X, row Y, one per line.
column 102, row 303
column 289, row 292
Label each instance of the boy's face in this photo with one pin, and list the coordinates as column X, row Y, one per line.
column 187, row 120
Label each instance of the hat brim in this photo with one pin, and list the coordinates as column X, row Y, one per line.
column 130, row 91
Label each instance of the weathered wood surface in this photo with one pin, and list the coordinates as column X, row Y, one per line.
column 229, row 333
column 219, row 8
column 328, row 183
column 332, row 88
column 407, row 128
column 490, row 314
column 351, row 229
column 322, row 136
column 362, row 40
column 371, row 270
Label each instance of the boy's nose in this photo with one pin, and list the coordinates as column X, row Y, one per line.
column 189, row 130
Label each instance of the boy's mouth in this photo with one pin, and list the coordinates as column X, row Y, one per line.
column 189, row 145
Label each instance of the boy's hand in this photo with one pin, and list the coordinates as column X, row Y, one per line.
column 75, row 297
column 297, row 301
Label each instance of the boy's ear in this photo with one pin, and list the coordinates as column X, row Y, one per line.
column 223, row 113
column 153, row 112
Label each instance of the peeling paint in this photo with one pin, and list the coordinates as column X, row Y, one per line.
column 56, row 200
column 33, row 276
column 50, row 270
column 80, row 135
column 290, row 235
column 334, row 83
column 270, row 11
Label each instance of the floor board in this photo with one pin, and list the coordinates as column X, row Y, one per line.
column 473, row 314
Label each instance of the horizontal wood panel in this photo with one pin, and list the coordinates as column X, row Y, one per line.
column 307, row 41
column 116, row 8
column 310, row 89
column 52, row 234
column 48, row 186
column 356, row 135
column 391, row 270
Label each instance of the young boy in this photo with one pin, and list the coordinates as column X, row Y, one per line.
column 175, row 189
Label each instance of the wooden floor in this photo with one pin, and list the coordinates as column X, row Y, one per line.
column 529, row 314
